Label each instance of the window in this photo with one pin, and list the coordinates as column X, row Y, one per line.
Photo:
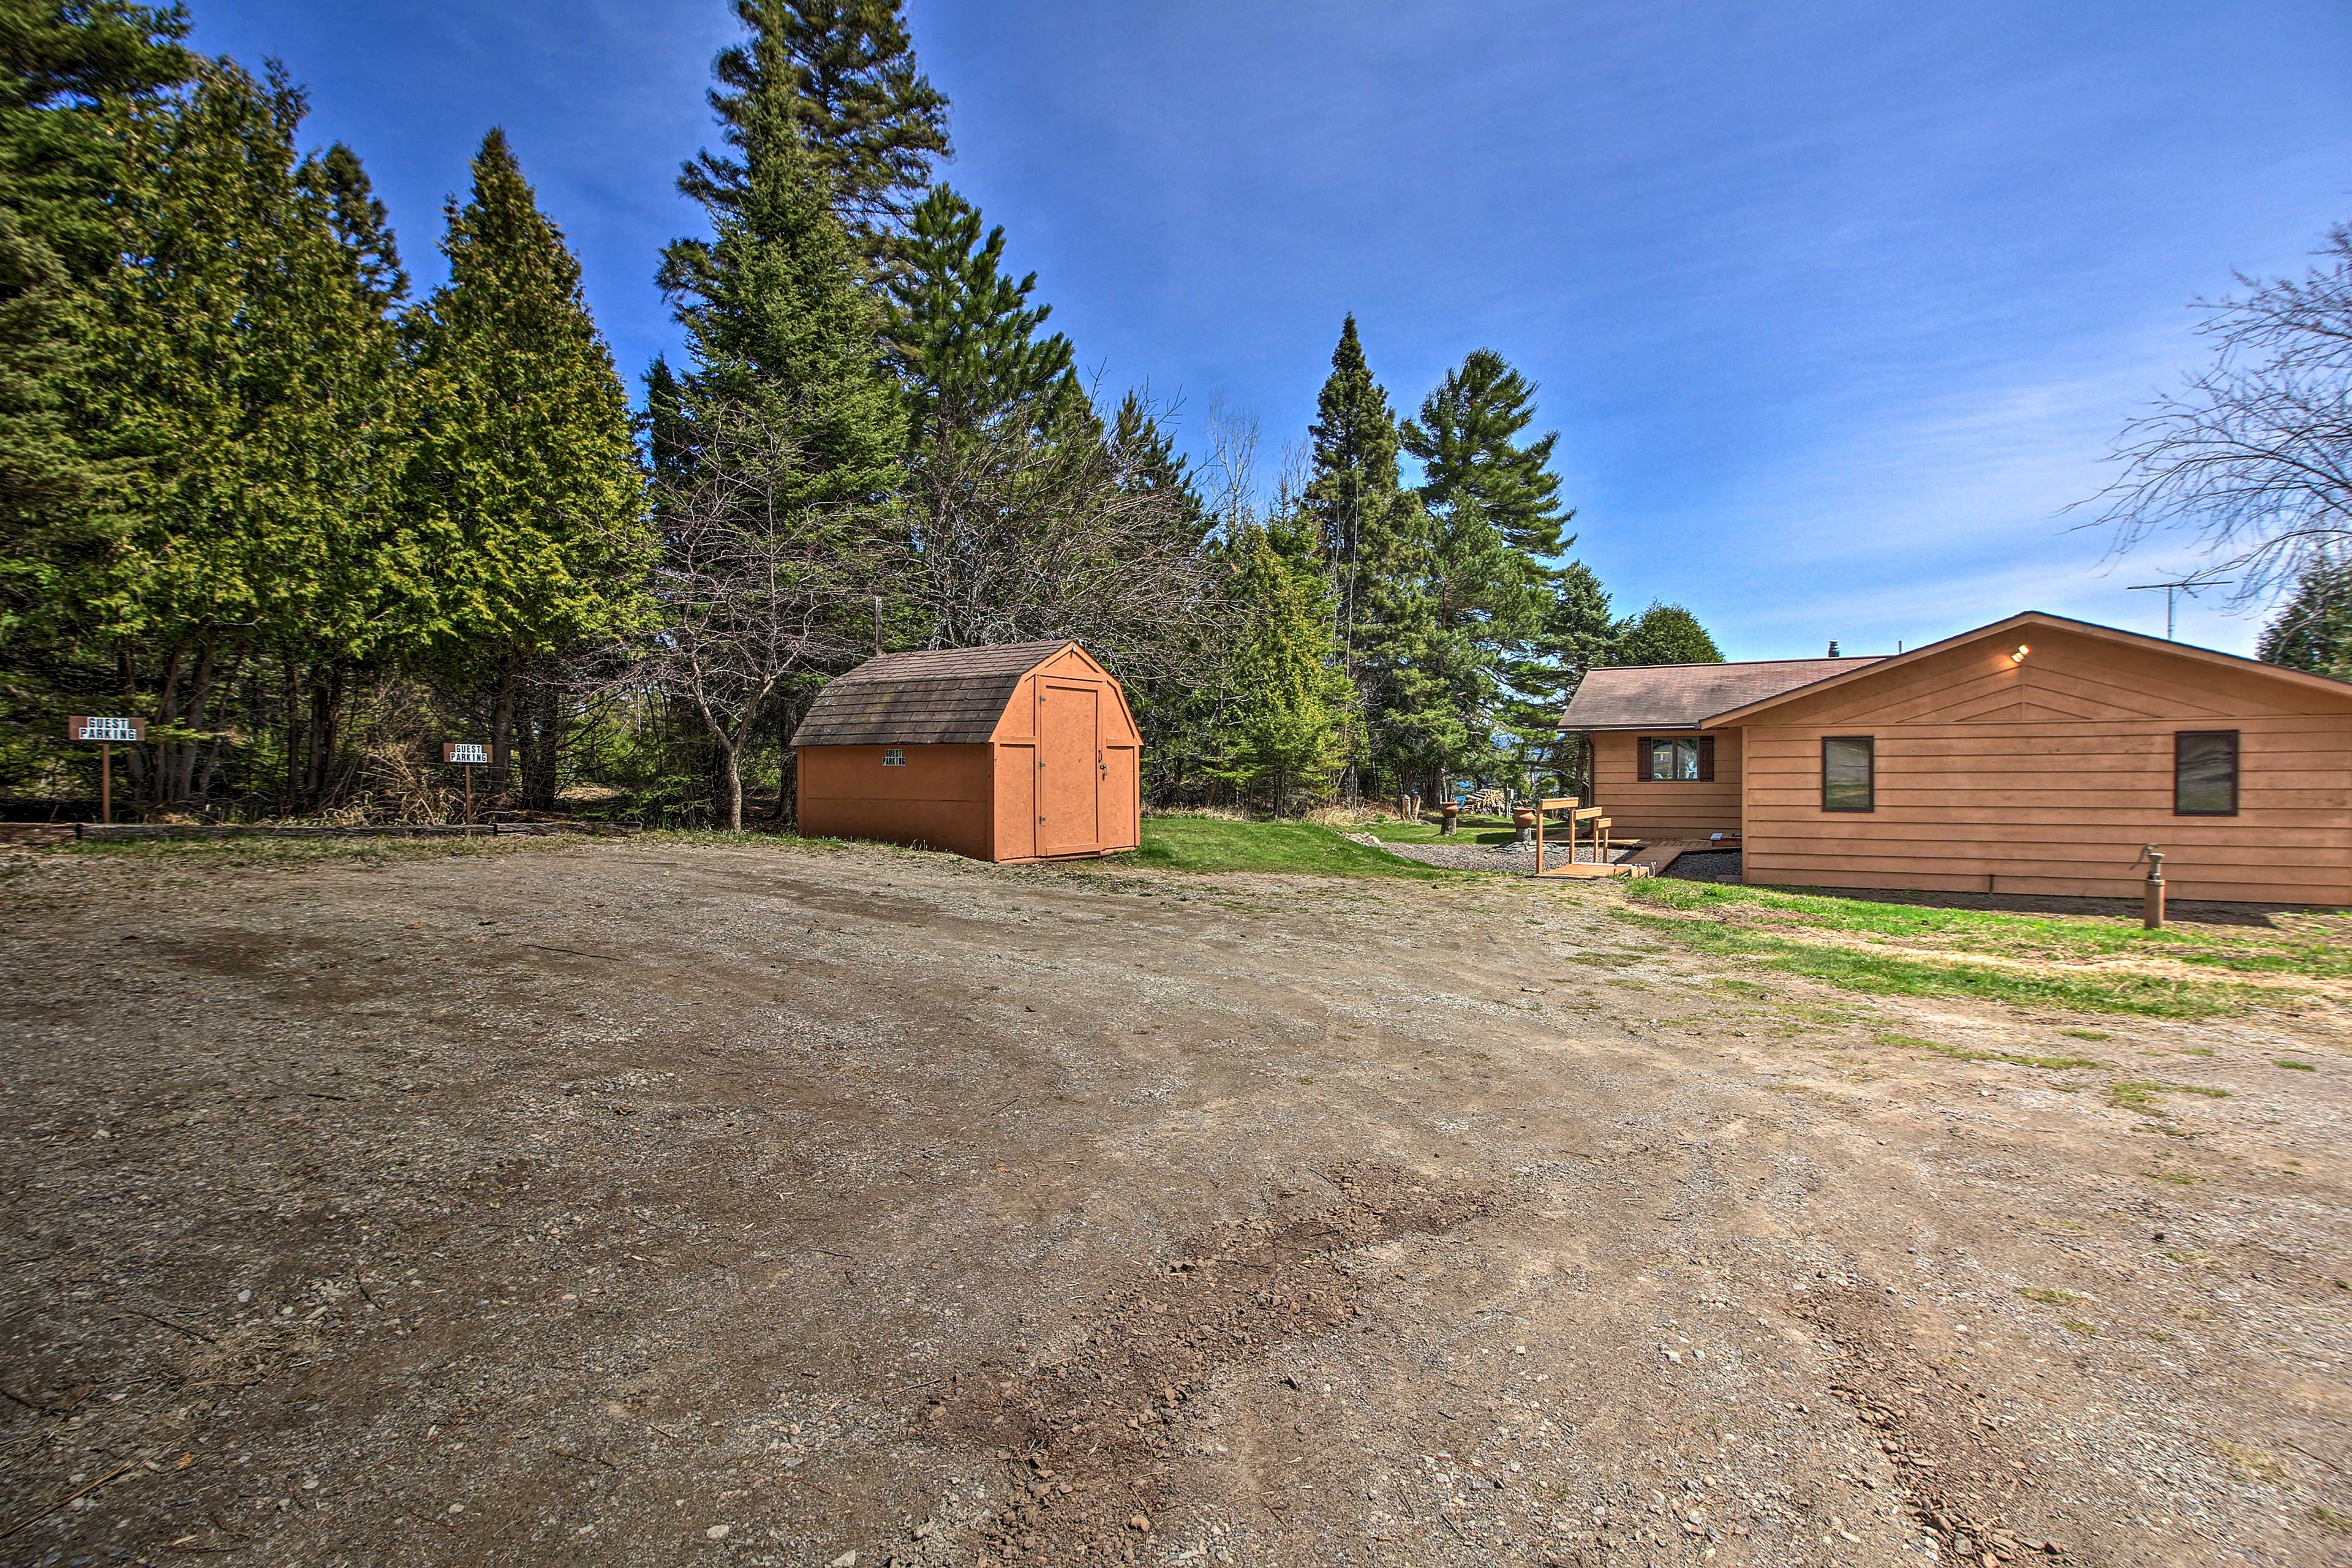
column 2205, row 772
column 1685, row 759
column 892, row 757
column 1849, row 770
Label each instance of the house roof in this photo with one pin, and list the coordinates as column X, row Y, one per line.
column 2025, row 621
column 1683, row 696
column 933, row 697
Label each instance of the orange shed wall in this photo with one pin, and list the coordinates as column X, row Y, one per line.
column 1120, row 805
column 2050, row 777
column 1665, row 808
column 942, row 797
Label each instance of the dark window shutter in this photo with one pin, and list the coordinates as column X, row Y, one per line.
column 1642, row 758
column 1707, row 759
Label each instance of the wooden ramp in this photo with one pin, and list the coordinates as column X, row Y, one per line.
column 1647, row 859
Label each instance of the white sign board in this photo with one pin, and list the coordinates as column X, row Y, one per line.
column 892, row 757
column 466, row 752
column 90, row 729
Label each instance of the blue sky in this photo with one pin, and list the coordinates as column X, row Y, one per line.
column 1836, row 306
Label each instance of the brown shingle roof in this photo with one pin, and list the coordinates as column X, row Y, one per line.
column 1680, row 696
column 932, row 697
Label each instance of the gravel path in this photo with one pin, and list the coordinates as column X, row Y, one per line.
column 1510, row 860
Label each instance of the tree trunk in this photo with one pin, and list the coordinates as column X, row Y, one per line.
column 543, row 745
column 502, row 726
column 734, row 788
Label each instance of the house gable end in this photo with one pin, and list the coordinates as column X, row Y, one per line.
column 2067, row 675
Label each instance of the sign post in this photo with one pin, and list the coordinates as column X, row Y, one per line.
column 105, row 731
column 468, row 755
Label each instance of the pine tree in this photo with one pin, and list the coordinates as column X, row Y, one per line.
column 529, row 496
column 871, row 121
column 1352, row 493
column 1149, row 464
column 775, row 317
column 1665, row 634
column 2313, row 631
column 1577, row 634
column 962, row 335
column 1467, row 440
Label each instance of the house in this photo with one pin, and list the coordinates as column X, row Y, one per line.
column 1013, row 751
column 2036, row 755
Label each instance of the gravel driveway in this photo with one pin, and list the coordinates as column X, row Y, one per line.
column 654, row 1204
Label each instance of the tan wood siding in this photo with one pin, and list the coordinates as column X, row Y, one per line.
column 2042, row 806
column 1666, row 808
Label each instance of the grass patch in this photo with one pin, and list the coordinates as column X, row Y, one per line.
column 2139, row 1094
column 2328, row 1519
column 1214, row 844
column 1902, row 975
column 2048, row 1298
column 2319, row 946
column 2086, row 1034
column 1964, row 1053
column 2254, row 1464
column 2294, row 1066
column 2076, row 1326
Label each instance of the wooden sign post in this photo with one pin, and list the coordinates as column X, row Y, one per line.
column 468, row 755
column 106, row 731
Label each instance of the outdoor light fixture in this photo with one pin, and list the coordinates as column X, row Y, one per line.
column 2019, row 657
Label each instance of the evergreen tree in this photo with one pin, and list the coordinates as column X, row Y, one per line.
column 871, row 121
column 363, row 228
column 243, row 376
column 775, row 317
column 525, row 480
column 1352, row 492
column 1288, row 725
column 2313, row 631
column 68, row 71
column 1148, row 463
column 961, row 334
column 1467, row 441
column 1665, row 634
column 1577, row 635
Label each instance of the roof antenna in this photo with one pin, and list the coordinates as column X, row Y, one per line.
column 878, row 625
column 2189, row 585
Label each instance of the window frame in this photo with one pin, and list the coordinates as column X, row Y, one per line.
column 1702, row 748
column 1870, row 750
column 2237, row 770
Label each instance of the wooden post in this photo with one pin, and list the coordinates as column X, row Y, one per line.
column 2152, row 901
column 469, row 797
column 105, row 783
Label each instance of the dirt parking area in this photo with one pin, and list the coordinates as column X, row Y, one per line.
column 644, row 1203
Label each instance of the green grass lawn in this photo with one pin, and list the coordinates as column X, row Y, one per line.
column 1214, row 844
column 1787, row 930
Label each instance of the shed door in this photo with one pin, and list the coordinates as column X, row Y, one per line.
column 1069, row 768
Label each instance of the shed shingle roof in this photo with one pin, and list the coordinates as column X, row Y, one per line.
column 1682, row 696
column 932, row 697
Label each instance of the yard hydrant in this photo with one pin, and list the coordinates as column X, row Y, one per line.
column 2152, row 906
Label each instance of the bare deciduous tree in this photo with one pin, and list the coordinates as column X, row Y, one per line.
column 2254, row 456
column 1017, row 534
column 752, row 589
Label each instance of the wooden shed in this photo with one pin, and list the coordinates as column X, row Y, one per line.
column 2036, row 755
column 1013, row 751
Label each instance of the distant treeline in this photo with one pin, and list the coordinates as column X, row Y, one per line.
column 309, row 525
